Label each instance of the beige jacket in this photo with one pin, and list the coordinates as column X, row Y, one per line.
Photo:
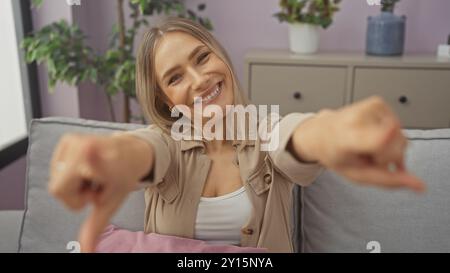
column 181, row 169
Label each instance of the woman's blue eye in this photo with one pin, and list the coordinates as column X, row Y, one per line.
column 202, row 57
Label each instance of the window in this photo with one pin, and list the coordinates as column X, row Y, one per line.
column 19, row 100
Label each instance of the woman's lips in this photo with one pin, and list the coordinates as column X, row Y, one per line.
column 208, row 98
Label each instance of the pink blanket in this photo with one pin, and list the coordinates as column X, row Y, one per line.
column 115, row 240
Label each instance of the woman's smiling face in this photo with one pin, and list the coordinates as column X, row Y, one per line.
column 186, row 68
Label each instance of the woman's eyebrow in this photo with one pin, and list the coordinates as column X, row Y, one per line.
column 191, row 55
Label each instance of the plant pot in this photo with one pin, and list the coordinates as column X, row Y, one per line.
column 385, row 34
column 304, row 38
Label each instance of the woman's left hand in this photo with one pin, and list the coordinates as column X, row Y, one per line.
column 362, row 141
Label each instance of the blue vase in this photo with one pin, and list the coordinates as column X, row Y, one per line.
column 385, row 34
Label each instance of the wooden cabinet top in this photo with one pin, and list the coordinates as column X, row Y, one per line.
column 275, row 56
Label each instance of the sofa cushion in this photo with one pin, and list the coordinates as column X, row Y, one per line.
column 47, row 226
column 338, row 216
column 10, row 221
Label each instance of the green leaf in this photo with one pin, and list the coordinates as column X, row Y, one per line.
column 93, row 75
column 51, row 84
column 317, row 12
column 37, row 3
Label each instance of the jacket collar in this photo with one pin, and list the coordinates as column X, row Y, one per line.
column 191, row 144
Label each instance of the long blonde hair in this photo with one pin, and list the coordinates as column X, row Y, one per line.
column 151, row 97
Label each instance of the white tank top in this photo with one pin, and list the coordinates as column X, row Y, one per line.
column 220, row 219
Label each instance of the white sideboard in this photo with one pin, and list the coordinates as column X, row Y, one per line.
column 416, row 87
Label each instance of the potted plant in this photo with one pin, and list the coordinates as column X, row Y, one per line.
column 386, row 32
column 305, row 17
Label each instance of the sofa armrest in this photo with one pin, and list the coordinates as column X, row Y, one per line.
column 10, row 225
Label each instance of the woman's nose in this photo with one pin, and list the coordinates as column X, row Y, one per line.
column 199, row 81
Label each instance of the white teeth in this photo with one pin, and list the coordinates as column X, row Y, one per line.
column 211, row 96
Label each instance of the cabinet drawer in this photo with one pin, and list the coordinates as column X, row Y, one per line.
column 297, row 88
column 420, row 97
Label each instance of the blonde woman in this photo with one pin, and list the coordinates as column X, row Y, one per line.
column 220, row 191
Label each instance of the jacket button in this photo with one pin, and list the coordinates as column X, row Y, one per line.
column 267, row 178
column 247, row 231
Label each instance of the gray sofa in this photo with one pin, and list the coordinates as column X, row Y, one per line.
column 332, row 215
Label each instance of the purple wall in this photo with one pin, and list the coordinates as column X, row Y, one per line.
column 86, row 16
column 64, row 99
column 12, row 185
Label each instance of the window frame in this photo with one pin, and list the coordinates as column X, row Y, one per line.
column 30, row 83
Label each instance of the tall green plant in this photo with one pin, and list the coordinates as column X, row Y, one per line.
column 316, row 12
column 69, row 59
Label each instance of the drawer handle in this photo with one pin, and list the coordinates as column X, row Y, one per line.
column 403, row 99
column 297, row 95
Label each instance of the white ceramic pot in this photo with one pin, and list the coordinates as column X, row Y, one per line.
column 304, row 38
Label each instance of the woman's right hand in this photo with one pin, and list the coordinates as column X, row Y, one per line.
column 97, row 170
